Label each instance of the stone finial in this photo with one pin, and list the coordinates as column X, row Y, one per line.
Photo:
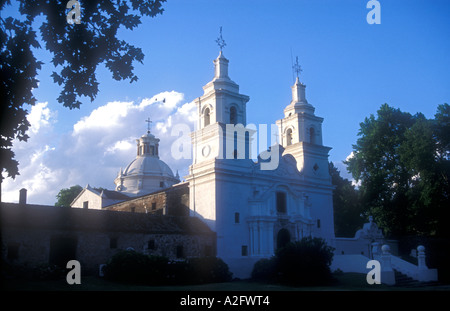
column 421, row 257
column 221, row 67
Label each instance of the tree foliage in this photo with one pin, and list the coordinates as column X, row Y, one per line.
column 346, row 205
column 402, row 161
column 67, row 195
column 77, row 50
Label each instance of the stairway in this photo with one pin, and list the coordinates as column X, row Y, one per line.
column 402, row 280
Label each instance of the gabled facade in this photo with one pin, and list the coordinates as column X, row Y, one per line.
column 93, row 199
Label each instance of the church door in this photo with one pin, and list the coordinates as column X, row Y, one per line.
column 283, row 237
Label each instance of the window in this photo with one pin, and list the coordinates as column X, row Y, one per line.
column 236, row 218
column 112, row 242
column 153, row 206
column 289, row 137
column 151, row 244
column 86, row 204
column 233, row 115
column 318, row 223
column 161, row 184
column 281, row 203
column 206, row 117
column 180, row 251
column 244, row 250
column 312, row 136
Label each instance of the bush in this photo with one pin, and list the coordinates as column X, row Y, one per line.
column 306, row 262
column 208, row 270
column 264, row 270
column 47, row 272
column 133, row 267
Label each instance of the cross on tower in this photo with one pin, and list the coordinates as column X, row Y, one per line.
column 220, row 41
column 296, row 67
column 148, row 125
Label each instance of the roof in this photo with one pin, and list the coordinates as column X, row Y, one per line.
column 148, row 166
column 46, row 217
column 115, row 195
column 175, row 187
column 107, row 194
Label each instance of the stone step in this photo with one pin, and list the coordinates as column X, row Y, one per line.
column 402, row 280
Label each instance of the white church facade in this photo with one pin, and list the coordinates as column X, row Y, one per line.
column 254, row 209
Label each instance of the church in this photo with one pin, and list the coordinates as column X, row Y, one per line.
column 253, row 207
column 233, row 204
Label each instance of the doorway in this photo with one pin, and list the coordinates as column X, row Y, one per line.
column 283, row 237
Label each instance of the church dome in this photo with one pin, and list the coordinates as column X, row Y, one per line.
column 149, row 166
column 146, row 173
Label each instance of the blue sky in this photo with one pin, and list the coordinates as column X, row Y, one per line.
column 350, row 69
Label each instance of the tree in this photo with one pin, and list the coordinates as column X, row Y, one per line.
column 346, row 205
column 77, row 50
column 403, row 165
column 67, row 195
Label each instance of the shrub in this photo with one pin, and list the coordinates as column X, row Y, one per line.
column 133, row 267
column 306, row 262
column 264, row 270
column 47, row 272
column 208, row 270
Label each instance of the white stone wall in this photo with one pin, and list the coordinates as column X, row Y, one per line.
column 94, row 199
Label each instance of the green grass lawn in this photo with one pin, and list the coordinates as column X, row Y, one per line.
column 343, row 282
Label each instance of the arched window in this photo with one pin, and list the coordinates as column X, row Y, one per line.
column 233, row 115
column 206, row 117
column 312, row 136
column 289, row 137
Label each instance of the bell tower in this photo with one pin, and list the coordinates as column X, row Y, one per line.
column 220, row 104
column 301, row 133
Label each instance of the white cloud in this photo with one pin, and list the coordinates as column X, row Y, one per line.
column 107, row 116
column 350, row 156
column 97, row 147
column 40, row 116
column 122, row 145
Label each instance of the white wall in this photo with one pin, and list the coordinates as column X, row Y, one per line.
column 95, row 201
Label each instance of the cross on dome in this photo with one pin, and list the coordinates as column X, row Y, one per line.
column 148, row 125
column 220, row 41
column 296, row 67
